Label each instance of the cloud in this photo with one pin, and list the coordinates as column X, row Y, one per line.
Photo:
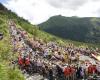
column 37, row 11
column 70, row 4
column 32, row 10
column 98, row 12
column 89, row 10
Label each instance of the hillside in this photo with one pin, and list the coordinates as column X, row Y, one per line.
column 36, row 31
column 85, row 29
column 6, row 71
column 9, row 71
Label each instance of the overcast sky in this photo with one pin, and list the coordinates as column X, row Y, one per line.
column 37, row 11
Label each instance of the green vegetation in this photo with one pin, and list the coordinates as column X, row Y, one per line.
column 36, row 32
column 79, row 29
column 6, row 54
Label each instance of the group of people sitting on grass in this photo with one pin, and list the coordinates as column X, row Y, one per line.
column 50, row 59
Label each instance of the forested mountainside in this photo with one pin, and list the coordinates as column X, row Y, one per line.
column 85, row 29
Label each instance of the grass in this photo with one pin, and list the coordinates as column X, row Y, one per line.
column 6, row 55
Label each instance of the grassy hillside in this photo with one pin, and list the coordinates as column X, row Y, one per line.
column 6, row 71
column 74, row 28
column 36, row 31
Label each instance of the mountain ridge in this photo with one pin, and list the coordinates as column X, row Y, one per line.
column 85, row 29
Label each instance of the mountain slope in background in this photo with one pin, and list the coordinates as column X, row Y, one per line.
column 80, row 29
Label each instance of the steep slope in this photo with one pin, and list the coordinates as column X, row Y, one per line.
column 36, row 31
column 74, row 28
column 6, row 71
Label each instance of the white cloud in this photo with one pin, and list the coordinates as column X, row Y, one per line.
column 37, row 11
column 89, row 9
column 68, row 4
